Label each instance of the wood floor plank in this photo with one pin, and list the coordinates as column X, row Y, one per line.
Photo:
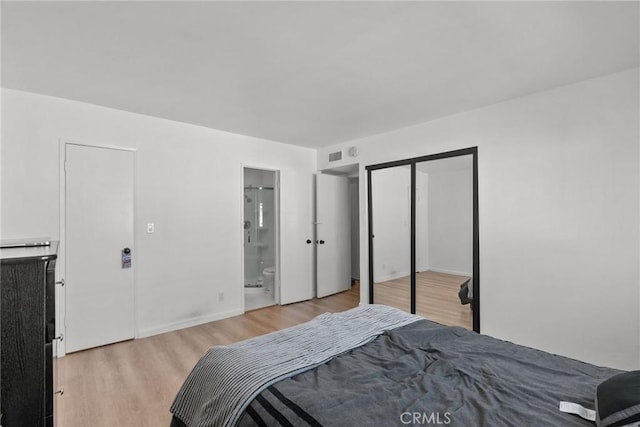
column 133, row 383
column 436, row 297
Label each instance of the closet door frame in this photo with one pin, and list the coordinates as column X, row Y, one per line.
column 473, row 151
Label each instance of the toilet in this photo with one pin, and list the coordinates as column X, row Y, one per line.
column 269, row 276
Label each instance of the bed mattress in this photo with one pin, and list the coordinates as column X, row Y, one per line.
column 421, row 373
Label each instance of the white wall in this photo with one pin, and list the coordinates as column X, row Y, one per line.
column 559, row 213
column 444, row 222
column 451, row 222
column 189, row 183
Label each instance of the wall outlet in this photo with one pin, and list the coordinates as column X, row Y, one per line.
column 220, row 296
column 151, row 227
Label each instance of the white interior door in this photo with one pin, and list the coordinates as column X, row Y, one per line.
column 99, row 197
column 296, row 219
column 333, row 234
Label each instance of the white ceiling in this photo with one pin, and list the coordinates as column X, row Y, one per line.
column 310, row 73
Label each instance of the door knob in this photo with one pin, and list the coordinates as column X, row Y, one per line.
column 308, row 241
column 126, row 250
column 322, row 242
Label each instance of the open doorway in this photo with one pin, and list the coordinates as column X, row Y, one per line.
column 260, row 238
column 347, row 207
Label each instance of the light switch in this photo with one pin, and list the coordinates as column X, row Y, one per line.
column 150, row 227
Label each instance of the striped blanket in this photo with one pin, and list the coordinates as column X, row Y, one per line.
column 227, row 378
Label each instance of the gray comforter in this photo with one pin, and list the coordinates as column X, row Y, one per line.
column 427, row 374
column 227, row 378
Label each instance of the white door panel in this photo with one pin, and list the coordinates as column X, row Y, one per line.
column 333, row 234
column 99, row 225
column 296, row 218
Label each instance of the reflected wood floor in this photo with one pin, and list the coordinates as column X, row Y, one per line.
column 436, row 297
column 133, row 383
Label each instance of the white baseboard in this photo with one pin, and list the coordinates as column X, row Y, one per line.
column 187, row 323
column 392, row 276
column 435, row 270
column 443, row 270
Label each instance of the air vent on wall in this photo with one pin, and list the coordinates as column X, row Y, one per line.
column 335, row 156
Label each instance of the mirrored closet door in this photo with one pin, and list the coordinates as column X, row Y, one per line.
column 423, row 237
column 444, row 240
column 391, row 207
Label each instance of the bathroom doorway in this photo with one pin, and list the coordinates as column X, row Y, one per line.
column 260, row 238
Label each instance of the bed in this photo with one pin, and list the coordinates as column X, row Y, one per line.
column 378, row 366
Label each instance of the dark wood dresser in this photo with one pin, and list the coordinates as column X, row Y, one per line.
column 27, row 305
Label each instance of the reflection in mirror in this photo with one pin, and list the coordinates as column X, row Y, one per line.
column 444, row 240
column 391, row 220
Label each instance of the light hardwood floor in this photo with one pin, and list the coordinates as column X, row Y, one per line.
column 133, row 383
column 436, row 297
